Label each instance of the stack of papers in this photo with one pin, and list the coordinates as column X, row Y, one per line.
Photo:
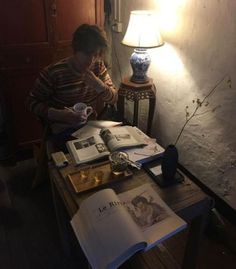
column 145, row 154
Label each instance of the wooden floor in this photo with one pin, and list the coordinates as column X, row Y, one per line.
column 29, row 236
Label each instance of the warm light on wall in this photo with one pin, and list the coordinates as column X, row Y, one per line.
column 168, row 60
column 169, row 13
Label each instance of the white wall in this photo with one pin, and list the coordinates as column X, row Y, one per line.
column 200, row 50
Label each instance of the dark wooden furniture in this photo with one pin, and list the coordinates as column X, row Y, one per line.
column 34, row 34
column 135, row 92
column 186, row 199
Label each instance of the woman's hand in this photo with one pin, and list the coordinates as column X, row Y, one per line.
column 94, row 82
column 67, row 116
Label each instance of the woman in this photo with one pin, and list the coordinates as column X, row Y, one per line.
column 82, row 77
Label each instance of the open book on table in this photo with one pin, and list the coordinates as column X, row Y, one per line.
column 94, row 126
column 151, row 151
column 111, row 228
column 98, row 145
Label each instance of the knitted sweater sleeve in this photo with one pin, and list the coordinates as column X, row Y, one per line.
column 39, row 97
column 110, row 94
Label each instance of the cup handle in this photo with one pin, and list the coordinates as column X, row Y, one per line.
column 89, row 110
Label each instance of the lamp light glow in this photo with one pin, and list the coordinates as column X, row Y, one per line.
column 142, row 33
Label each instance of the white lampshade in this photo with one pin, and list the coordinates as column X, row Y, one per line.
column 143, row 30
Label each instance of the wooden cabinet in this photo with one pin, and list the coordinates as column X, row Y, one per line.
column 33, row 34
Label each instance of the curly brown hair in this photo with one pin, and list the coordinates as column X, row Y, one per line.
column 89, row 39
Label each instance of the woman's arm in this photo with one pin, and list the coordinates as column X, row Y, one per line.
column 99, row 79
column 39, row 102
column 39, row 97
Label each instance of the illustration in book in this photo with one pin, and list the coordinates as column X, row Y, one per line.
column 112, row 227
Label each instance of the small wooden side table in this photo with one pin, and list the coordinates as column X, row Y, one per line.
column 135, row 92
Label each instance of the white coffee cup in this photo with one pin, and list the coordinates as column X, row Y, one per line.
column 83, row 109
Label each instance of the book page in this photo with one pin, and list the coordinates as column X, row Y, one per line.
column 86, row 131
column 155, row 220
column 87, row 149
column 105, row 230
column 94, row 127
column 144, row 154
column 121, row 137
column 103, row 123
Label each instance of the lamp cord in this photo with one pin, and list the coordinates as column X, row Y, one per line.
column 116, row 57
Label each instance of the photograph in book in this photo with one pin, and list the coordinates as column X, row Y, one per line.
column 87, row 149
column 111, row 228
column 108, row 140
column 121, row 137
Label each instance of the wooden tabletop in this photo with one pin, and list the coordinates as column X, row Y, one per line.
column 186, row 199
column 181, row 198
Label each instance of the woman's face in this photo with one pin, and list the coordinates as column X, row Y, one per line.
column 84, row 60
column 142, row 206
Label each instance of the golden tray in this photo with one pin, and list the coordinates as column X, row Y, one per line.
column 95, row 176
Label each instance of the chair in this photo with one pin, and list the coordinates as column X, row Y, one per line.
column 109, row 112
column 41, row 157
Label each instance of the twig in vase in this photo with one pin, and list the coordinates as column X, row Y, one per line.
column 200, row 103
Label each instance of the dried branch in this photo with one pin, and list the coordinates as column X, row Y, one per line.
column 199, row 104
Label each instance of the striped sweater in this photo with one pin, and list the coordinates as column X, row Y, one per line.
column 58, row 85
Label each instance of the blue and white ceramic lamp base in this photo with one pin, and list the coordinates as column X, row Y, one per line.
column 140, row 62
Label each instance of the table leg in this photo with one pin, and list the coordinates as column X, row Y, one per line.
column 150, row 114
column 120, row 107
column 135, row 118
column 193, row 243
column 62, row 220
column 68, row 240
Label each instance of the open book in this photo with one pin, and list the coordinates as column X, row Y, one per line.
column 151, row 151
column 111, row 228
column 98, row 145
column 94, row 126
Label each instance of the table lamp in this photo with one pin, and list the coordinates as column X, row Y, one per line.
column 142, row 33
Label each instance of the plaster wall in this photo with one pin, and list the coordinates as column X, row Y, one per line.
column 199, row 51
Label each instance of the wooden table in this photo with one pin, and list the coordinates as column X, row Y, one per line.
column 185, row 199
